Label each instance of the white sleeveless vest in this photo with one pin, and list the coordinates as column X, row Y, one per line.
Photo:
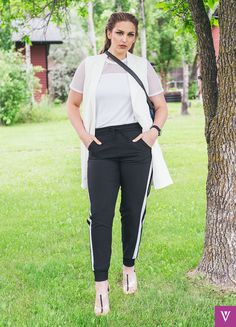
column 93, row 70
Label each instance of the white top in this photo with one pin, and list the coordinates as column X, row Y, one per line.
column 113, row 100
column 94, row 66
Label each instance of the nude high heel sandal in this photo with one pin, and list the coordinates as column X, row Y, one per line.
column 129, row 282
column 101, row 307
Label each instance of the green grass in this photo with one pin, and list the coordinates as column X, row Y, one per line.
column 44, row 111
column 45, row 269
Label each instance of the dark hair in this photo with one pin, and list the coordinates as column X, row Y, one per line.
column 115, row 18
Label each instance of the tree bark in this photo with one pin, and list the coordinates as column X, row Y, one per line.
column 29, row 70
column 218, row 263
column 163, row 76
column 207, row 61
column 194, row 68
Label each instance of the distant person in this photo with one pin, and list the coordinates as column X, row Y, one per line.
column 118, row 148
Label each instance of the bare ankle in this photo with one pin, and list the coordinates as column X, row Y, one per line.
column 128, row 269
column 101, row 286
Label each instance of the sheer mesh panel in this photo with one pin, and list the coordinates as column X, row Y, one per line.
column 154, row 82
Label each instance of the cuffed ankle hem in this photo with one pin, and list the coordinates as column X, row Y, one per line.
column 100, row 276
column 128, row 262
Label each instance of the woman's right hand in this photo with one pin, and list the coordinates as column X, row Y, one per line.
column 88, row 139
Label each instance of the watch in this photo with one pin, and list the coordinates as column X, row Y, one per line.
column 158, row 128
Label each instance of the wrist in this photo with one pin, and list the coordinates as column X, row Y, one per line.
column 156, row 128
column 83, row 134
column 153, row 132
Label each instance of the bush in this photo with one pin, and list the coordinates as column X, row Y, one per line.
column 59, row 82
column 193, row 90
column 43, row 111
column 14, row 91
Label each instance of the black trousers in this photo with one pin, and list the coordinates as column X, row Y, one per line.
column 117, row 163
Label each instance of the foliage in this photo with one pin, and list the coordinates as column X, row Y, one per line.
column 5, row 29
column 67, row 56
column 122, row 5
column 181, row 15
column 43, row 111
column 13, row 85
column 161, row 40
column 193, row 90
column 59, row 82
column 23, row 9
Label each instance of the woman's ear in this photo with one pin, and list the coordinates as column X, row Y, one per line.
column 109, row 34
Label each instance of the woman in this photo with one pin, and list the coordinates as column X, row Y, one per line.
column 118, row 148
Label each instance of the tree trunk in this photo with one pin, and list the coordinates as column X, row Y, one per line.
column 29, row 70
column 143, row 31
column 91, row 30
column 194, row 68
column 163, row 76
column 218, row 263
column 199, row 81
column 184, row 106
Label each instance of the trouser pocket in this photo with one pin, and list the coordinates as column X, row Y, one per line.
column 144, row 143
column 133, row 134
column 91, row 145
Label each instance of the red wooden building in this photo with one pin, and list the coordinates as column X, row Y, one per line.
column 41, row 36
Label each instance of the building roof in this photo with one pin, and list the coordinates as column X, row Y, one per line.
column 38, row 31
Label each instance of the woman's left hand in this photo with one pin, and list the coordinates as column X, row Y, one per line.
column 149, row 137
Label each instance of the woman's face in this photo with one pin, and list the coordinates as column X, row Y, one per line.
column 122, row 37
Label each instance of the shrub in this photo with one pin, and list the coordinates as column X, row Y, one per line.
column 43, row 111
column 193, row 90
column 14, row 91
column 59, row 82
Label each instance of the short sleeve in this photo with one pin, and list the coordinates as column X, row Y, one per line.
column 77, row 83
column 154, row 81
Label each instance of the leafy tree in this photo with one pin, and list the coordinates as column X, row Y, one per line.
column 67, row 56
column 5, row 25
column 162, row 41
column 219, row 93
column 122, row 5
column 218, row 263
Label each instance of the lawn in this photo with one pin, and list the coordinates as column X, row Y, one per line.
column 45, row 268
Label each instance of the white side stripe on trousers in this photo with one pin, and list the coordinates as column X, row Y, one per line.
column 91, row 243
column 141, row 215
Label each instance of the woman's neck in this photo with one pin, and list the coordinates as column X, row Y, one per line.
column 120, row 56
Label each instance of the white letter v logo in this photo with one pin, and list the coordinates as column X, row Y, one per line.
column 225, row 315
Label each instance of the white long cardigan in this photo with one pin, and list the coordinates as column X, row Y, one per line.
column 93, row 70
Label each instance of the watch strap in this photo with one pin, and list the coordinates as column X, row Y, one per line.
column 158, row 128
